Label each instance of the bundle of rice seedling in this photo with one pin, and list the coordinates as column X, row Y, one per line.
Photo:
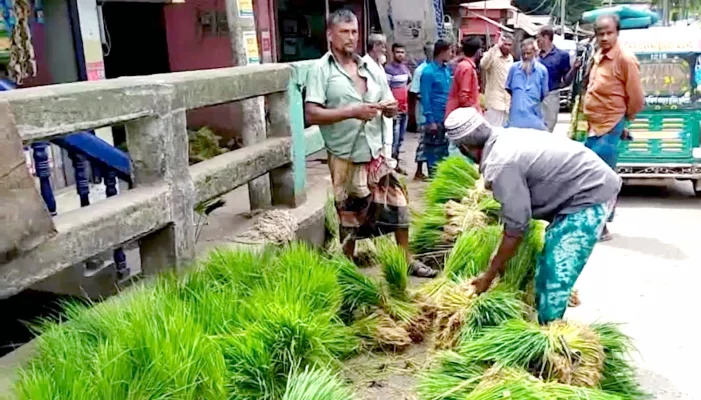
column 462, row 217
column 238, row 269
column 380, row 331
column 317, row 384
column 619, row 374
column 450, row 376
column 279, row 337
column 472, row 251
column 361, row 293
column 427, row 230
column 453, row 179
column 520, row 270
column 460, row 314
column 528, row 388
column 365, row 253
column 566, row 352
column 303, row 274
column 395, row 267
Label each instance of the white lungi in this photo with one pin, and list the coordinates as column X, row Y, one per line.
column 550, row 108
column 496, row 117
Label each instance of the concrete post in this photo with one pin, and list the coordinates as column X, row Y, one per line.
column 282, row 180
column 158, row 148
column 242, row 26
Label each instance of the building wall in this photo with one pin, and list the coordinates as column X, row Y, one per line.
column 189, row 49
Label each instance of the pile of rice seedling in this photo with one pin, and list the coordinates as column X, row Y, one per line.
column 453, row 179
column 316, row 384
column 236, row 326
column 566, row 352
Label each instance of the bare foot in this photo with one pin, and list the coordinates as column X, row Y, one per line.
column 574, row 299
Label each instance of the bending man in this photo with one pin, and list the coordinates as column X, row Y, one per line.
column 542, row 177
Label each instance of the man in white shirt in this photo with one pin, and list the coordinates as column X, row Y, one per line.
column 376, row 57
column 495, row 64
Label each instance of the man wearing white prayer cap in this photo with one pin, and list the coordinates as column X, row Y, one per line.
column 538, row 176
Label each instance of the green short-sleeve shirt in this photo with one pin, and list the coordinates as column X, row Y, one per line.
column 329, row 85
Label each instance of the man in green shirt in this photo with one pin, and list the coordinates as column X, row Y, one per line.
column 347, row 99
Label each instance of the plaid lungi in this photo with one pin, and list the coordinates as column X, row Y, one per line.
column 368, row 205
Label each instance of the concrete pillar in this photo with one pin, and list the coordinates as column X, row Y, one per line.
column 282, row 179
column 244, row 45
column 158, row 147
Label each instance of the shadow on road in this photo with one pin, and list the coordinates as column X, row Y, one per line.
column 648, row 246
column 679, row 195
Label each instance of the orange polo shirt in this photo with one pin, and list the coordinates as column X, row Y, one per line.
column 465, row 89
column 614, row 90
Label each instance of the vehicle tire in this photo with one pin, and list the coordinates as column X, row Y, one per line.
column 697, row 187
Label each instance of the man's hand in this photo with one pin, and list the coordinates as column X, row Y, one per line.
column 390, row 108
column 577, row 63
column 626, row 134
column 483, row 282
column 365, row 111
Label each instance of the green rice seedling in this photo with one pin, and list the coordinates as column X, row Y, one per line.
column 427, row 230
column 619, row 374
column 331, row 221
column 613, row 339
column 317, row 384
column 280, row 337
column 361, row 293
column 472, row 251
column 152, row 348
column 252, row 371
column 620, row 378
column 454, row 177
column 395, row 268
column 451, row 376
column 302, row 274
column 239, row 269
column 520, row 270
column 491, row 309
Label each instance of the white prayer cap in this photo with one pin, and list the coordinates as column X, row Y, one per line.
column 462, row 121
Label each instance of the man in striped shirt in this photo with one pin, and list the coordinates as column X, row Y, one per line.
column 398, row 77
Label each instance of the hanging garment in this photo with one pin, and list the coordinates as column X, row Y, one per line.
column 22, row 63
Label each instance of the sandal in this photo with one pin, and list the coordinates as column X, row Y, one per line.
column 422, row 270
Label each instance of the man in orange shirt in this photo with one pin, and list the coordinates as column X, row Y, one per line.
column 465, row 90
column 614, row 94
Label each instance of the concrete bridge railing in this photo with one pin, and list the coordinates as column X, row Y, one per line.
column 159, row 209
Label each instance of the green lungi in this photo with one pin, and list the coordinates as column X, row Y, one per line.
column 569, row 241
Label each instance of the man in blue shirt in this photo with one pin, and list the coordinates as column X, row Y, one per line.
column 560, row 73
column 435, row 85
column 527, row 83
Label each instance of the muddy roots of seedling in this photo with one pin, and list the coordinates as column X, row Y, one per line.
column 380, row 332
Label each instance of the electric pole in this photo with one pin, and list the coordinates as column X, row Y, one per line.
column 562, row 17
column 244, row 46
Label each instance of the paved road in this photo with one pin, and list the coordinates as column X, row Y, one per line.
column 646, row 278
